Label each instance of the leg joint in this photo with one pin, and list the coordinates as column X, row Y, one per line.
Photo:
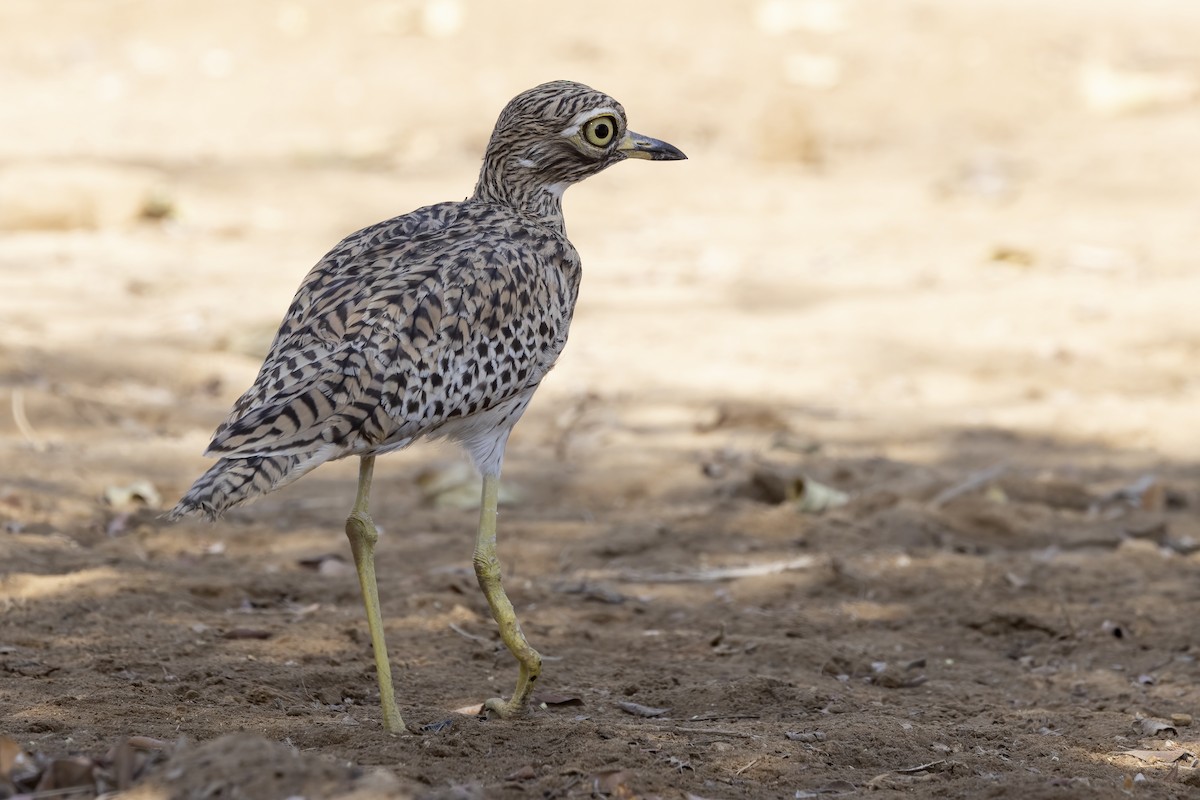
column 487, row 569
column 360, row 528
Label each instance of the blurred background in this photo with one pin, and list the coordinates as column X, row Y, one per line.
column 940, row 255
column 910, row 215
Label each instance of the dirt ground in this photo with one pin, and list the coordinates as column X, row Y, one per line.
column 939, row 256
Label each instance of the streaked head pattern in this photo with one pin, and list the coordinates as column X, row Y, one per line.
column 552, row 136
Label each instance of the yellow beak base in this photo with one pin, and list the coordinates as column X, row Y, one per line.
column 635, row 145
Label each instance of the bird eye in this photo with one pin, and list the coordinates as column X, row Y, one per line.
column 600, row 131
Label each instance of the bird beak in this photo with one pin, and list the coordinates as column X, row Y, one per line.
column 634, row 145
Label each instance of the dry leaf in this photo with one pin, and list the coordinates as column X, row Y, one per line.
column 448, row 723
column 552, row 699
column 1145, row 493
column 1153, row 727
column 817, row 497
column 780, row 485
column 1152, row 756
column 639, row 710
column 469, row 711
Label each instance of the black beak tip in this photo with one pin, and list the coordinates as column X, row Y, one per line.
column 670, row 152
column 638, row 146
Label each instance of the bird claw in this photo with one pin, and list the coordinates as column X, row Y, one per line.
column 504, row 709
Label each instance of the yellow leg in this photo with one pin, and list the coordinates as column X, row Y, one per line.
column 360, row 530
column 487, row 570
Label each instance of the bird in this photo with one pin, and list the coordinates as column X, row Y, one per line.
column 436, row 324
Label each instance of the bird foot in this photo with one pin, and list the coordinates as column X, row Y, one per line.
column 504, row 709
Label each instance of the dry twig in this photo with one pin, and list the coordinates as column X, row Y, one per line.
column 22, row 421
column 970, row 484
column 714, row 574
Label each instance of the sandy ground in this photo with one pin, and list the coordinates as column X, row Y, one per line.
column 937, row 255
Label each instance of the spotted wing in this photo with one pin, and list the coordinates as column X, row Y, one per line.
column 406, row 335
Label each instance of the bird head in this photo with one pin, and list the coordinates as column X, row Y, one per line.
column 554, row 135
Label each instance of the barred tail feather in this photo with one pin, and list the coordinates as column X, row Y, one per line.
column 232, row 481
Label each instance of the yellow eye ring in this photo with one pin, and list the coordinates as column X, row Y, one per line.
column 599, row 131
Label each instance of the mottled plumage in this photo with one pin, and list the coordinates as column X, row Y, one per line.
column 414, row 327
column 438, row 323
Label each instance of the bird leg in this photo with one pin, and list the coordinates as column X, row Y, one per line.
column 360, row 530
column 487, row 570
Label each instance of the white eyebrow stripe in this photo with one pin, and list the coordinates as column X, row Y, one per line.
column 583, row 116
